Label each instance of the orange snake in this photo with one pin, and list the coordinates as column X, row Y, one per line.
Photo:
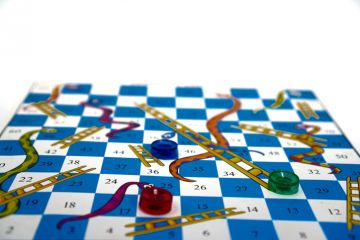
column 212, row 126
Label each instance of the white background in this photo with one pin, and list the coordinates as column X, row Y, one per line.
column 279, row 44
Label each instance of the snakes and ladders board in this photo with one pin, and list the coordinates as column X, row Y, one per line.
column 70, row 147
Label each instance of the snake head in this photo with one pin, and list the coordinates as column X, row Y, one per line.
column 49, row 130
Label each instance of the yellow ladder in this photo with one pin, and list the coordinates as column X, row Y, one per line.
column 49, row 110
column 145, row 156
column 41, row 184
column 66, row 142
column 350, row 202
column 307, row 111
column 252, row 171
column 173, row 222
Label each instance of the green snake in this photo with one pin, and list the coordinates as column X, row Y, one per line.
column 31, row 159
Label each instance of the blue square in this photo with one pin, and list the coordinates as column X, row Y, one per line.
column 251, row 229
column 61, row 133
column 304, row 94
column 70, row 110
column 348, row 170
column 323, row 117
column 48, row 164
column 132, row 136
column 199, row 169
column 288, row 127
column 241, row 151
column 191, row 205
column 36, row 97
column 249, row 115
column 240, row 187
column 126, row 166
column 76, row 88
column 133, row 90
column 185, row 141
column 189, row 92
column 86, row 122
column 261, row 140
column 294, row 209
column 34, row 203
column 96, row 149
column 11, row 148
column 336, row 141
column 171, row 234
column 129, row 112
column 336, row 231
column 127, row 208
column 7, row 184
column 291, row 151
column 192, row 114
column 218, row 103
column 244, row 93
column 85, row 183
column 71, row 231
column 155, row 125
column 28, row 120
column 161, row 101
column 169, row 183
column 320, row 189
column 225, row 127
column 285, row 105
column 103, row 100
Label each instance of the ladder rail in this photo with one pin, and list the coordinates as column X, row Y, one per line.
column 184, row 130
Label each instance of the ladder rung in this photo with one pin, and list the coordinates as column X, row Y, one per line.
column 255, row 171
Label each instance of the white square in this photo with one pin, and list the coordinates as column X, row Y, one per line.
column 255, row 208
column 110, row 183
column 69, row 203
column 209, row 230
column 69, row 121
column 234, row 139
column 124, row 122
column 195, row 125
column 95, row 112
column 268, row 154
column 15, row 133
column 25, row 178
column 312, row 172
column 326, row 128
column 152, row 135
column 341, row 156
column 214, row 112
column 72, row 162
column 193, row 103
column 287, row 143
column 201, row 187
column 158, row 91
column 191, row 150
column 251, row 104
column 72, row 99
column 105, row 89
column 99, row 136
column 156, row 170
column 108, row 228
column 43, row 87
column 175, row 210
column 314, row 104
column 269, row 93
column 10, row 162
column 280, row 115
column 119, row 150
column 298, row 230
column 19, row 226
column 269, row 194
column 227, row 171
column 129, row 101
column 329, row 210
column 29, row 109
column 43, row 147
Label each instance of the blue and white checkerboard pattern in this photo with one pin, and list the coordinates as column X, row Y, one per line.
column 317, row 211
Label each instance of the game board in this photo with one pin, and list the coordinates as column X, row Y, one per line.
column 70, row 147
